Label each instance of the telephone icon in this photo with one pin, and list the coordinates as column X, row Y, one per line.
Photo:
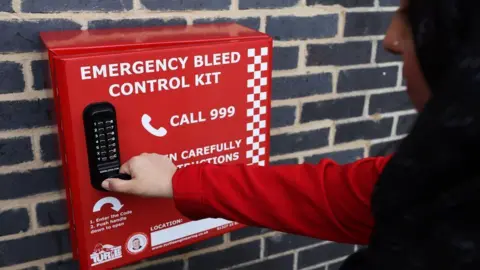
column 160, row 132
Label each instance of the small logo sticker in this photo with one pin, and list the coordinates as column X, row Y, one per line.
column 136, row 243
column 105, row 253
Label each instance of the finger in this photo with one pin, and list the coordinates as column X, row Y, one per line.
column 119, row 185
column 127, row 166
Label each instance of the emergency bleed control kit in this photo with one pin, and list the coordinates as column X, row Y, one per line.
column 197, row 93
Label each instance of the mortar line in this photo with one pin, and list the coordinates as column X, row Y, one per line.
column 373, row 53
column 393, row 132
column 299, row 11
column 36, row 147
column 234, row 6
column 53, row 228
column 42, row 261
column 32, row 213
column 35, row 199
column 137, row 5
column 17, row 6
column 27, row 75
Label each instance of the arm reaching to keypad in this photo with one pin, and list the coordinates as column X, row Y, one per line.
column 324, row 200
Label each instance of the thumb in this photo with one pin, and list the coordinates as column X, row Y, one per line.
column 119, row 185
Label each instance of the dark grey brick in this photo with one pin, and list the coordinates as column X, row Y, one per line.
column 49, row 147
column 323, row 253
column 251, row 22
column 27, row 249
column 395, row 3
column 47, row 6
column 226, row 257
column 52, row 213
column 193, row 247
column 367, row 23
column 333, row 109
column 23, row 36
column 285, row 58
column 63, row 265
column 26, row 114
column 176, row 265
column 383, row 149
column 389, row 102
column 301, row 86
column 41, row 75
column 22, row 184
column 279, row 263
column 344, row 3
column 384, row 56
column 250, row 4
column 15, row 150
column 405, row 123
column 187, row 4
column 14, row 221
column 129, row 23
column 287, row 161
column 6, row 6
column 349, row 53
column 282, row 116
column 11, row 78
column 283, row 242
column 291, row 27
column 367, row 130
column 341, row 157
column 367, row 78
column 292, row 142
column 247, row 232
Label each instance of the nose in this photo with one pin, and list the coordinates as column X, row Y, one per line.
column 394, row 40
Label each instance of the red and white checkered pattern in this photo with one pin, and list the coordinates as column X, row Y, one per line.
column 257, row 106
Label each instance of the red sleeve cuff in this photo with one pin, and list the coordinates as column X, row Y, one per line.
column 188, row 193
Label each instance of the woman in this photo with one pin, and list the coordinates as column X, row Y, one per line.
column 414, row 210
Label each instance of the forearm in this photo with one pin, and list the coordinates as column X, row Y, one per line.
column 327, row 200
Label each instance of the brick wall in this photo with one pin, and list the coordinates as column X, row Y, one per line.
column 336, row 94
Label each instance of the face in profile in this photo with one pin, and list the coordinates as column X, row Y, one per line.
column 399, row 40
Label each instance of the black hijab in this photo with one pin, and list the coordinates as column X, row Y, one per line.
column 426, row 202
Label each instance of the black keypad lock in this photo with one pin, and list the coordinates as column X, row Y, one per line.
column 102, row 143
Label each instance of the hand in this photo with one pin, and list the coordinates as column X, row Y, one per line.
column 151, row 177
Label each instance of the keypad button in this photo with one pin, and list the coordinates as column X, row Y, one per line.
column 112, row 157
column 111, row 139
column 104, row 159
column 101, row 130
column 112, row 145
column 111, row 151
column 109, row 128
column 109, row 122
column 101, row 136
column 102, row 142
column 103, row 153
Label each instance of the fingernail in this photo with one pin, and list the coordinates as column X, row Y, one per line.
column 106, row 184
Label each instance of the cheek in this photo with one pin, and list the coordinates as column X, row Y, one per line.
column 417, row 87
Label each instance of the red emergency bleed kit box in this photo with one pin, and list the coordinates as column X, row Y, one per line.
column 195, row 93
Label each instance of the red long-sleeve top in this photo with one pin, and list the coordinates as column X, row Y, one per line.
column 327, row 200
